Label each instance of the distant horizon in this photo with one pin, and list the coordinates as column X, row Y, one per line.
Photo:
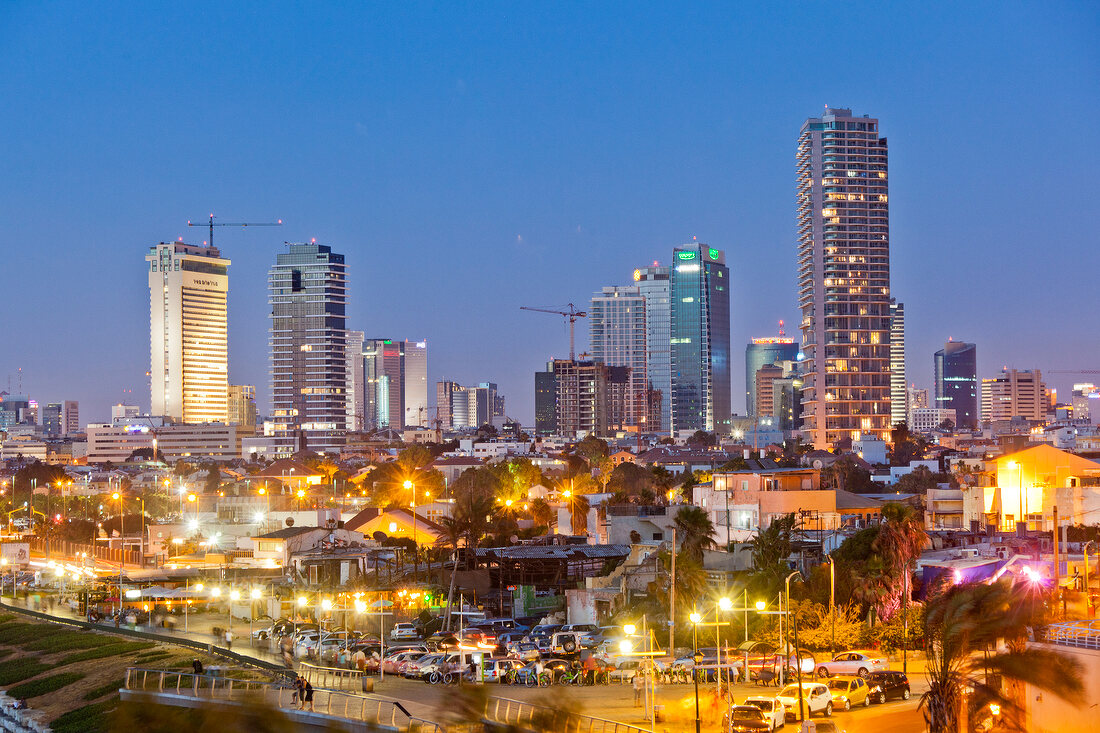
column 468, row 163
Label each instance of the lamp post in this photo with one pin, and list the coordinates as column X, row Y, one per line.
column 122, row 558
column 697, row 658
column 416, row 546
column 832, row 604
column 797, row 660
column 724, row 604
column 1088, row 596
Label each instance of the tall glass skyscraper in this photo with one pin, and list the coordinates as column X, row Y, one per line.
column 759, row 353
column 308, row 296
column 654, row 285
column 618, row 338
column 700, row 339
column 844, row 277
column 956, row 367
column 899, row 388
column 188, row 330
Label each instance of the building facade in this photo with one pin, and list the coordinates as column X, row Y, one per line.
column 926, row 419
column 844, row 277
column 116, row 442
column 242, row 405
column 899, row 394
column 70, row 417
column 956, row 382
column 51, row 419
column 759, row 353
column 396, row 383
column 188, row 329
column 416, row 382
column 1018, row 393
column 353, row 346
column 654, row 284
column 618, row 339
column 700, row 339
column 308, row 297
column 581, row 392
column 462, row 408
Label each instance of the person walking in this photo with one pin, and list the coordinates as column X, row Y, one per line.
column 197, row 666
column 308, row 695
column 360, row 660
column 228, row 639
column 639, row 685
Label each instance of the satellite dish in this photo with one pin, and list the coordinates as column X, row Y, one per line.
column 290, row 521
column 514, row 539
column 379, row 536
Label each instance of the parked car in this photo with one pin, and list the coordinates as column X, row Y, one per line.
column 523, row 650
column 815, row 699
column 857, row 662
column 888, row 685
column 404, row 631
column 745, row 718
column 849, row 691
column 415, row 668
column 770, row 706
column 494, row 670
column 393, row 662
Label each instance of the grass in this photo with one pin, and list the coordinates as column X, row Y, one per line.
column 16, row 634
column 44, row 685
column 107, row 689
column 69, row 640
column 150, row 656
column 17, row 670
column 111, row 650
column 92, row 718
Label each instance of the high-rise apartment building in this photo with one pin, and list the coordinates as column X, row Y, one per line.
column 546, row 402
column 51, row 419
column 956, row 382
column 1017, row 393
column 700, row 339
column 353, row 345
column 1085, row 400
column 462, row 408
column 916, row 399
column 580, row 398
column 759, row 353
column 188, row 329
column 70, row 417
column 395, row 384
column 844, row 277
column 618, row 339
column 899, row 393
column 765, row 399
column 654, row 285
column 242, row 405
column 308, row 296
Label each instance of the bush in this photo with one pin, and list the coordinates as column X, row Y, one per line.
column 88, row 719
column 112, row 650
column 17, row 670
column 41, row 686
column 107, row 689
column 15, row 634
column 888, row 636
column 69, row 640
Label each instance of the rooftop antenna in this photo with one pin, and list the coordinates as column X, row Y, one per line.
column 211, row 224
column 781, row 333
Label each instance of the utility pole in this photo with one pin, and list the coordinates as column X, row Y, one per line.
column 1057, row 573
column 672, row 601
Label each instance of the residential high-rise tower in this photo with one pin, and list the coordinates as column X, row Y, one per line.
column 654, row 284
column 844, row 277
column 189, row 342
column 899, row 392
column 618, row 339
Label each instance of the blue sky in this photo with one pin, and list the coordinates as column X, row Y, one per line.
column 469, row 159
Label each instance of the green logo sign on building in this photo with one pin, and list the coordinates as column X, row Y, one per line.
column 685, row 255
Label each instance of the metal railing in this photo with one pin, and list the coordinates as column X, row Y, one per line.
column 333, row 678
column 1083, row 634
column 517, row 712
column 377, row 710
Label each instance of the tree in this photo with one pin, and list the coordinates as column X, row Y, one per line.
column 702, row 438
column 542, row 513
column 946, row 426
column 917, row 481
column 213, row 480
column 906, row 446
column 845, row 474
column 963, row 630
column 770, row 549
column 591, row 447
column 901, row 540
column 635, row 536
column 695, row 530
column 631, row 479
column 603, row 467
column 578, row 515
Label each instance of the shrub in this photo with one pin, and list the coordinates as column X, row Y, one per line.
column 69, row 640
column 92, row 718
column 17, row 670
column 112, row 650
column 107, row 689
column 41, row 686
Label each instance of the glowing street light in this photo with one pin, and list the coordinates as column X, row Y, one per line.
column 625, row 647
column 630, row 629
column 302, row 601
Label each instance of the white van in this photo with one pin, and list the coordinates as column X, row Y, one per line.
column 463, row 619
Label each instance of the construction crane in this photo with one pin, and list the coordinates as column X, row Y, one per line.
column 1074, row 371
column 211, row 224
column 572, row 314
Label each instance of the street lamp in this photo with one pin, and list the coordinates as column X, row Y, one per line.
column 697, row 658
column 122, row 558
column 797, row 658
column 724, row 605
column 832, row 603
column 416, row 546
column 1088, row 593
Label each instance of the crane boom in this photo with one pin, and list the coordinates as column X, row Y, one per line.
column 572, row 314
column 211, row 224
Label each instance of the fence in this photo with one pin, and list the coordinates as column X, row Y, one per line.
column 73, row 549
column 515, row 712
column 332, row 678
column 376, row 710
column 1084, row 634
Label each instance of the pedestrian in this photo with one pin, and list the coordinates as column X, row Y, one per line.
column 590, row 669
column 197, row 666
column 309, row 695
column 360, row 660
column 228, row 639
column 639, row 684
column 298, row 687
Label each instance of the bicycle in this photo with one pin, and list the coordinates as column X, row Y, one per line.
column 573, row 677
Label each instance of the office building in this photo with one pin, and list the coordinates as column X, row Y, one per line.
column 17, row 410
column 844, row 277
column 308, row 296
column 618, row 339
column 189, row 341
column 396, row 384
column 654, row 285
column 463, row 408
column 787, row 397
column 926, row 419
column 765, row 399
column 116, row 442
column 1017, row 393
column 700, row 339
column 121, row 412
column 899, row 403
column 51, row 419
column 1085, row 400
column 356, row 403
column 70, row 417
column 546, row 402
column 761, row 352
column 956, row 382
column 242, row 405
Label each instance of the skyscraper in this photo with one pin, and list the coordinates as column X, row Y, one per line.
column 759, row 353
column 618, row 339
column 70, row 417
column 844, row 277
column 242, row 405
column 1017, row 393
column 189, row 343
column 654, row 285
column 356, row 386
column 308, row 296
column 700, row 339
column 956, row 377
column 571, row 398
column 51, row 419
column 899, row 392
column 416, row 382
column 396, row 383
column 468, row 407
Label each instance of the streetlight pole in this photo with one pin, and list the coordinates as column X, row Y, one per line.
column 832, row 604
column 416, row 547
column 696, row 658
column 122, row 557
column 1088, row 596
column 797, row 660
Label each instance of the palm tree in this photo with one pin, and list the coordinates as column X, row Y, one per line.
column 900, row 541
column 542, row 513
column 578, row 514
column 962, row 629
column 696, row 531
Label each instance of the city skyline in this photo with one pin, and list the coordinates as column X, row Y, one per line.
column 579, row 223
